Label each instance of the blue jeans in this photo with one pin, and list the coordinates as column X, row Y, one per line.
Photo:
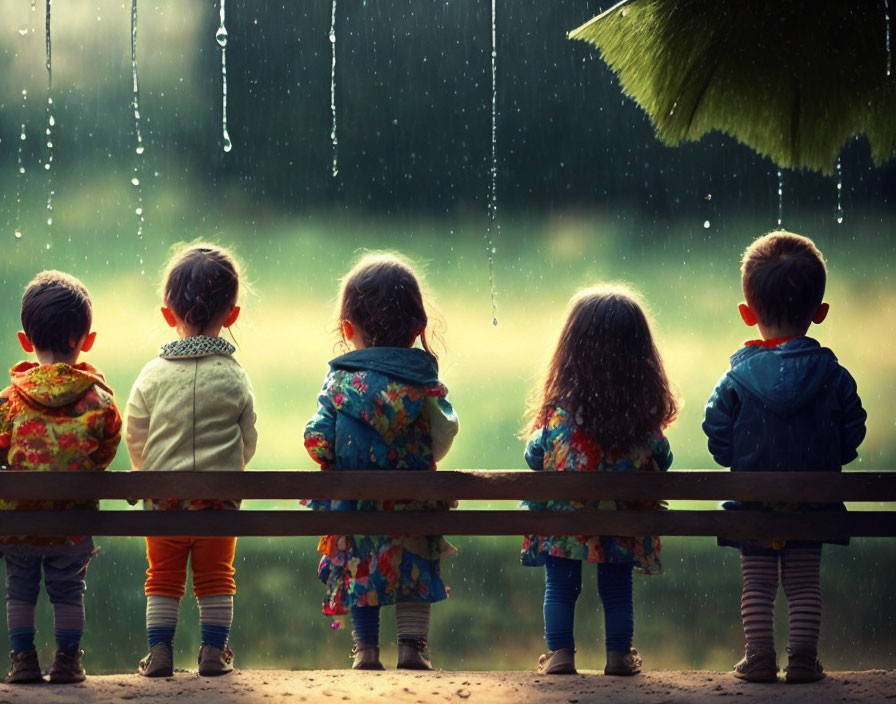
column 64, row 569
column 563, row 584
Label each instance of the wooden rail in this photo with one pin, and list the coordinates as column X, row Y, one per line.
column 456, row 485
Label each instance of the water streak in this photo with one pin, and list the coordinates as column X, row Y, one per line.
column 839, row 193
column 493, row 227
column 20, row 171
column 51, row 121
column 333, row 136
column 887, row 36
column 780, row 197
column 221, row 38
column 138, row 159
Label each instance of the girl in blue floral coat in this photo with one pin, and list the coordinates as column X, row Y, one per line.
column 601, row 407
column 382, row 406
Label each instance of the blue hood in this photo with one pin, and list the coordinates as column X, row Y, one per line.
column 411, row 365
column 785, row 378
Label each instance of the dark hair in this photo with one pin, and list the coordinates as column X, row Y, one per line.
column 201, row 283
column 783, row 278
column 56, row 311
column 382, row 295
column 606, row 371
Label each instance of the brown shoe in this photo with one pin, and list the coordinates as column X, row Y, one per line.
column 158, row 663
column 214, row 661
column 803, row 668
column 67, row 668
column 621, row 664
column 23, row 667
column 413, row 654
column 367, row 657
column 558, row 662
column 757, row 666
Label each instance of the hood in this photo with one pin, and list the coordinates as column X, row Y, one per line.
column 787, row 377
column 384, row 388
column 55, row 385
column 412, row 365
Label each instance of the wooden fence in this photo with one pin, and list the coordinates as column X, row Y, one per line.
column 875, row 487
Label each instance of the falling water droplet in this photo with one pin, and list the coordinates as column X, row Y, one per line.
column 221, row 38
column 49, row 244
column 706, row 224
column 22, row 136
column 18, row 234
column 139, row 149
column 887, row 36
column 135, row 181
column 51, row 122
column 333, row 134
column 21, row 166
column 23, row 32
column 839, row 193
column 780, row 197
column 493, row 228
column 139, row 211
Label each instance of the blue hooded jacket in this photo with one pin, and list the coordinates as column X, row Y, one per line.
column 787, row 408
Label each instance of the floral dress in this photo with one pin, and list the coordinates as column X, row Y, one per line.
column 562, row 446
column 381, row 408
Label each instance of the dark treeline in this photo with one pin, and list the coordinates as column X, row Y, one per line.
column 414, row 107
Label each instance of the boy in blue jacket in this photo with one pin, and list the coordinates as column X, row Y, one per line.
column 785, row 404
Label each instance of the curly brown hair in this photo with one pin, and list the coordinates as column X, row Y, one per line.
column 606, row 371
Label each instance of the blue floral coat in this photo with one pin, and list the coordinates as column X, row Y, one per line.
column 562, row 446
column 381, row 408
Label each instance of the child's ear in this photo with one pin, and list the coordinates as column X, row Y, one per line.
column 25, row 342
column 231, row 317
column 748, row 315
column 89, row 339
column 348, row 330
column 821, row 314
column 169, row 316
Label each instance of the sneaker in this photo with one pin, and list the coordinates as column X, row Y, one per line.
column 413, row 654
column 622, row 664
column 23, row 667
column 367, row 657
column 158, row 663
column 757, row 666
column 558, row 662
column 214, row 661
column 803, row 667
column 67, row 668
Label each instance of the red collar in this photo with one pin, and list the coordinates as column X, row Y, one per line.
column 773, row 342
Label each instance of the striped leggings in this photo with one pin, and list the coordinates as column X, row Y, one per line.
column 799, row 574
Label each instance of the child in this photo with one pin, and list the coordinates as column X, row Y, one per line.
column 785, row 404
column 601, row 407
column 382, row 407
column 191, row 409
column 58, row 415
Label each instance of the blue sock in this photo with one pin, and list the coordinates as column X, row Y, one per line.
column 562, row 586
column 366, row 624
column 68, row 641
column 214, row 635
column 160, row 634
column 21, row 638
column 614, row 584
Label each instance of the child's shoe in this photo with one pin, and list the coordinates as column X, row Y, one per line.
column 802, row 667
column 757, row 666
column 622, row 664
column 23, row 667
column 214, row 661
column 558, row 662
column 158, row 663
column 367, row 657
column 413, row 654
column 66, row 668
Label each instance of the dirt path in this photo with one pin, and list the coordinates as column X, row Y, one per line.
column 333, row 686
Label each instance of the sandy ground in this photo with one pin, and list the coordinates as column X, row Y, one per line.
column 332, row 686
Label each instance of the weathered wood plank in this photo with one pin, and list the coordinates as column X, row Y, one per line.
column 736, row 524
column 449, row 485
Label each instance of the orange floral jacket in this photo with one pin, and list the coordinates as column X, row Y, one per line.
column 56, row 417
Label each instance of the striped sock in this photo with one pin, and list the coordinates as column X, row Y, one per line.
column 412, row 619
column 757, row 604
column 161, row 619
column 800, row 577
column 68, row 620
column 215, row 619
column 20, row 624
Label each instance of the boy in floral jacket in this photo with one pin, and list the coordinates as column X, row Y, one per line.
column 57, row 415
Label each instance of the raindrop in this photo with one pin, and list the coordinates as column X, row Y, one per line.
column 21, row 166
column 135, row 181
column 139, row 211
column 887, row 36
column 221, row 38
column 135, row 102
column 139, row 149
column 706, row 224
column 23, row 32
column 50, row 119
column 839, row 193
column 493, row 228
column 18, row 234
column 780, row 197
column 333, row 135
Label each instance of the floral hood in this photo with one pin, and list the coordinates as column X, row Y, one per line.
column 55, row 385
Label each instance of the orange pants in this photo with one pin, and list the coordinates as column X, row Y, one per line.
column 211, row 560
